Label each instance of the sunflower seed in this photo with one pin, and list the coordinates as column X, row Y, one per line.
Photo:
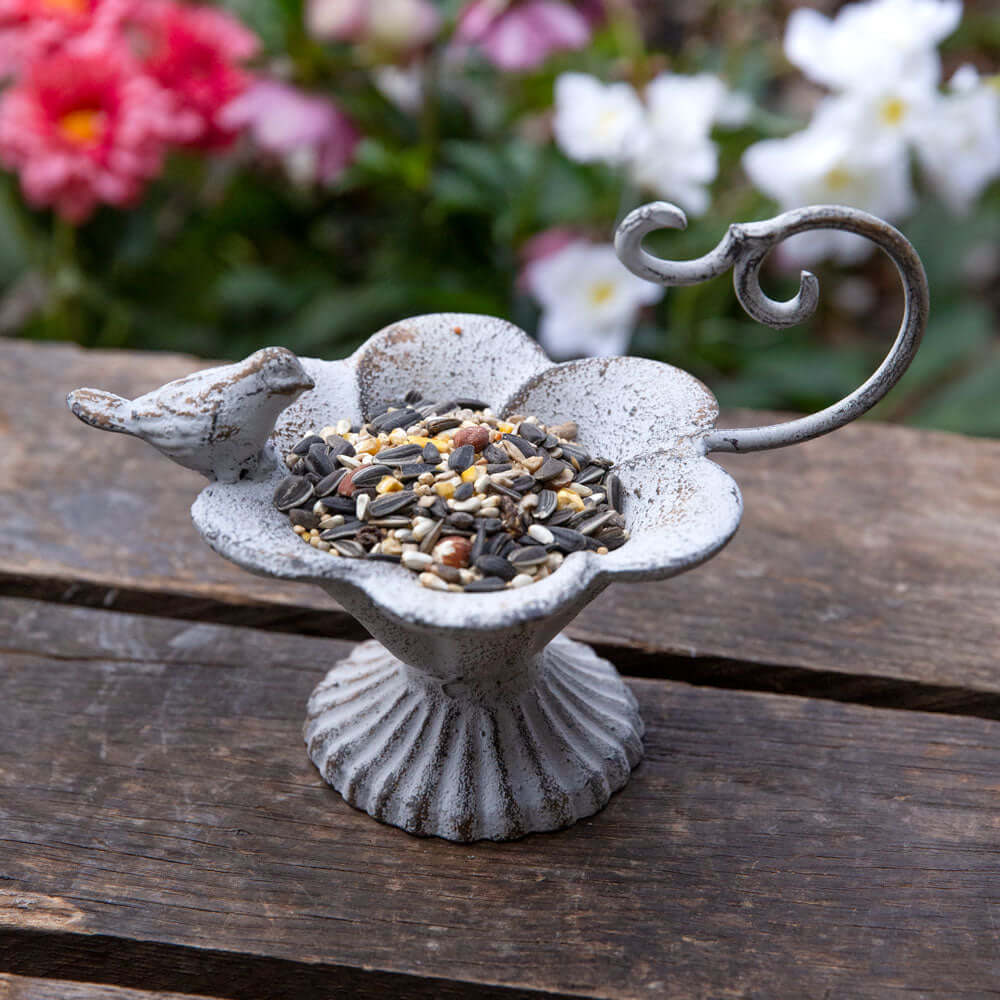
column 494, row 565
column 346, row 530
column 568, row 540
column 551, row 468
column 383, row 557
column 349, row 548
column 613, row 487
column 460, row 519
column 398, row 418
column 412, row 396
column 530, row 555
column 292, row 492
column 461, row 458
column 328, row 484
column 304, row 518
column 591, row 524
column 576, row 455
column 439, row 508
column 306, row 443
column 470, row 403
column 479, row 543
column 370, row 475
column 464, row 491
column 531, row 432
column 431, row 538
column 338, row 504
column 402, row 453
column 430, row 454
column 547, row 503
column 390, row 503
column 338, row 446
column 440, row 424
column 589, row 475
column 526, row 448
column 485, row 585
column 522, row 484
column 496, row 456
column 613, row 538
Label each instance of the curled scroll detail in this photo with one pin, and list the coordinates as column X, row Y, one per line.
column 743, row 249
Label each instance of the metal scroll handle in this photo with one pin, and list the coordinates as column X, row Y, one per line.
column 743, row 249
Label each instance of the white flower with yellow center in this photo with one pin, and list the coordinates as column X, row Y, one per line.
column 959, row 146
column 676, row 158
column 595, row 122
column 589, row 300
column 826, row 163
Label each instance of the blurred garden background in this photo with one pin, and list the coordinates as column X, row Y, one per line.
column 217, row 179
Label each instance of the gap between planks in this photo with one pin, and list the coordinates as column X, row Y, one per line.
column 656, row 664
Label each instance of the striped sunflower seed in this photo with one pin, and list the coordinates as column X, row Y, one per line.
column 292, row 492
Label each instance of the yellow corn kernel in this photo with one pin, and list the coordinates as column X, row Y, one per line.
column 397, row 436
column 567, row 498
column 505, row 428
column 367, row 446
column 446, row 489
column 389, row 484
column 442, row 444
column 417, row 439
column 472, row 473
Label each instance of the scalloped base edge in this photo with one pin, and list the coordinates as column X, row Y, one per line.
column 482, row 763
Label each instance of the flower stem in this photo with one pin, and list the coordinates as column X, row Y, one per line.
column 65, row 283
column 626, row 28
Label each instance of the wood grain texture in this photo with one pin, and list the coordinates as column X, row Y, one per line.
column 32, row 988
column 161, row 828
column 865, row 568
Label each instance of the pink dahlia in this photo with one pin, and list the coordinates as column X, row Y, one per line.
column 30, row 28
column 82, row 129
column 310, row 135
column 522, row 34
column 194, row 53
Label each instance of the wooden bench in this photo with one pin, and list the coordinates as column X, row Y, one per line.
column 817, row 814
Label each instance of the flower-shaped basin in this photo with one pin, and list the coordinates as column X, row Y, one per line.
column 648, row 418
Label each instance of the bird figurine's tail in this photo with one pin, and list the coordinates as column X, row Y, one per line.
column 103, row 410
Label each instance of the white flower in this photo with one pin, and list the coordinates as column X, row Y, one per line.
column 589, row 300
column 869, row 46
column 676, row 157
column 959, row 142
column 826, row 163
column 594, row 121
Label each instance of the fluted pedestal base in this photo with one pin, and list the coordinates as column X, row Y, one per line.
column 483, row 759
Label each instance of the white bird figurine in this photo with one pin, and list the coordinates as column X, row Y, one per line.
column 216, row 421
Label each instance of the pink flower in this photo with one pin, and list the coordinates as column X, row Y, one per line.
column 30, row 28
column 82, row 129
column 310, row 135
column 387, row 26
column 522, row 34
column 193, row 52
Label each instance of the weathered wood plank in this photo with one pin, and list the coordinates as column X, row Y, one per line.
column 160, row 817
column 32, row 988
column 864, row 569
